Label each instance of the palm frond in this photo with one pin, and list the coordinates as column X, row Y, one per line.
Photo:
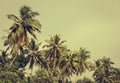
column 35, row 24
column 6, row 42
column 63, row 42
column 31, row 62
column 32, row 33
column 13, row 17
column 34, row 14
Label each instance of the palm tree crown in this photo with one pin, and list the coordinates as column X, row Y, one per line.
column 103, row 72
column 83, row 55
column 55, row 49
column 18, row 31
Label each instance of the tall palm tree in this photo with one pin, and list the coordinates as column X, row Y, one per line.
column 26, row 23
column 82, row 60
column 18, row 31
column 54, row 50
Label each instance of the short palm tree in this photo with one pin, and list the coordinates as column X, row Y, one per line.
column 67, row 65
column 82, row 60
column 34, row 56
column 103, row 71
column 54, row 50
column 21, row 61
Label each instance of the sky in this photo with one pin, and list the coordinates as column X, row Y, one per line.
column 91, row 24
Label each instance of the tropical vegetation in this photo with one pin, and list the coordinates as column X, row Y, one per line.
column 55, row 62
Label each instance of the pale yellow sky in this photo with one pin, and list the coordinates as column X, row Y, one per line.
column 92, row 24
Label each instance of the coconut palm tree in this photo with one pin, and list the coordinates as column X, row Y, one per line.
column 67, row 65
column 54, row 50
column 82, row 60
column 34, row 56
column 103, row 71
column 18, row 31
column 21, row 61
column 26, row 23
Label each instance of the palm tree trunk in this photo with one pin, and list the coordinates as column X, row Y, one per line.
column 13, row 60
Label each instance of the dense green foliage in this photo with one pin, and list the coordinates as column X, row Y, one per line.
column 56, row 63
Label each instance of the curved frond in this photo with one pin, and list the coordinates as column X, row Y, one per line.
column 13, row 17
column 32, row 33
column 34, row 23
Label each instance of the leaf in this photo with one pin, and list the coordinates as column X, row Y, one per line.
column 32, row 33
column 13, row 17
column 31, row 62
column 6, row 42
column 34, row 23
column 62, row 42
column 34, row 13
